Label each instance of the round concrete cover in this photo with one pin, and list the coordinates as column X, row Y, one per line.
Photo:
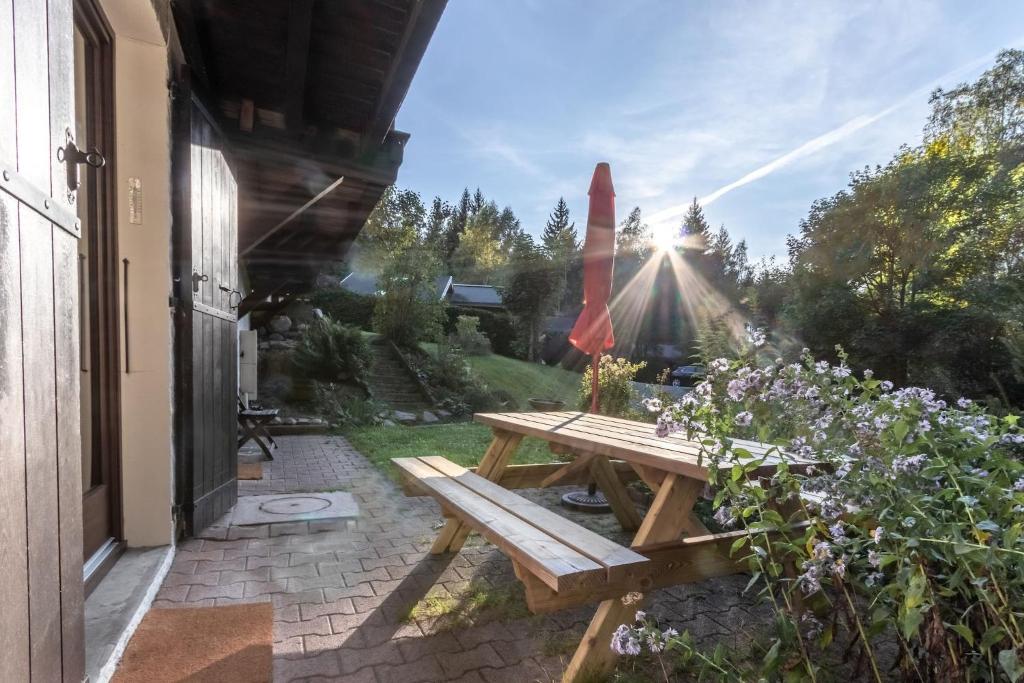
column 294, row 505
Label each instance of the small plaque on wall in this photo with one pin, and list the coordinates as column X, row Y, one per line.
column 135, row 201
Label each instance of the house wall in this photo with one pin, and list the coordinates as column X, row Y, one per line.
column 143, row 153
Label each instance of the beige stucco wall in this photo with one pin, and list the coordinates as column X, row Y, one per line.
column 143, row 152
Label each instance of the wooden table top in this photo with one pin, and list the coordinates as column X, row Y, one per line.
column 633, row 442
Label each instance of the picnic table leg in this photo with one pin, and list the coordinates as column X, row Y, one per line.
column 618, row 498
column 665, row 521
column 492, row 466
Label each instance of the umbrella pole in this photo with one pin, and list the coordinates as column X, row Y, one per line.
column 595, row 387
column 590, row 500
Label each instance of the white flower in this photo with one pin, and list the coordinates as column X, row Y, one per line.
column 724, row 516
column 756, row 336
column 877, row 534
column 874, row 559
column 653, row 405
column 744, row 419
column 963, row 403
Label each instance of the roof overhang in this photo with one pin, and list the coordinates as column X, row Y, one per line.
column 306, row 92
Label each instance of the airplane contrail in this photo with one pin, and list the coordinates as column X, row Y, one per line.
column 819, row 143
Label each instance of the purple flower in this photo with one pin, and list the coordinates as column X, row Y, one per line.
column 839, row 567
column 625, row 641
column 874, row 559
column 744, row 419
column 1019, row 484
column 886, row 385
column 810, row 580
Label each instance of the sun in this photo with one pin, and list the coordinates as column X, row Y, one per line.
column 664, row 237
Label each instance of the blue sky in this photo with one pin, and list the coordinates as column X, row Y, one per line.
column 758, row 108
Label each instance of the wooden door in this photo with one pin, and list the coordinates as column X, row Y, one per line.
column 206, row 277
column 99, row 278
column 40, row 450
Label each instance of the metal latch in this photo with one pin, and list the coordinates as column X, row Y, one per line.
column 197, row 278
column 70, row 155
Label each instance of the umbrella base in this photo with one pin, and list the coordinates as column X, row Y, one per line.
column 585, row 501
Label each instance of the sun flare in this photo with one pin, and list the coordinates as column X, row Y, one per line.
column 664, row 237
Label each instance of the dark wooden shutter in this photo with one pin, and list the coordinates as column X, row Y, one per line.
column 40, row 454
column 206, row 275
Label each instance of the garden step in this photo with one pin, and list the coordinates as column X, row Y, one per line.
column 391, row 382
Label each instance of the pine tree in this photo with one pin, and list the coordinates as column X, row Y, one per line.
column 457, row 224
column 695, row 230
column 509, row 228
column 436, row 222
column 560, row 235
column 561, row 245
column 478, row 200
column 634, row 236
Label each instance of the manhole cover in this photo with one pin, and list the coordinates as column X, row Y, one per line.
column 295, row 505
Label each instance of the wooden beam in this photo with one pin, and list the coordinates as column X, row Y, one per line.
column 191, row 44
column 300, row 23
column 422, row 21
column 581, row 463
column 533, row 476
column 246, row 116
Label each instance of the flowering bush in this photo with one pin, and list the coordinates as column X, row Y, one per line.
column 615, row 389
column 911, row 531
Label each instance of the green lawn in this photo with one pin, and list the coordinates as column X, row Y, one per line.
column 460, row 442
column 524, row 380
column 465, row 442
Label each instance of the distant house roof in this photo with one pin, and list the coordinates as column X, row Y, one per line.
column 361, row 283
column 366, row 284
column 481, row 296
column 444, row 285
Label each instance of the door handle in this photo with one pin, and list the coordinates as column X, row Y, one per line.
column 197, row 278
column 72, row 157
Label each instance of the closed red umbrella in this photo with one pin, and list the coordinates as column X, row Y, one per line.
column 593, row 332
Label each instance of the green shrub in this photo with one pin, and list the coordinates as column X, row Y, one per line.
column 343, row 405
column 345, row 307
column 332, row 352
column 452, row 379
column 615, row 393
column 469, row 337
column 498, row 326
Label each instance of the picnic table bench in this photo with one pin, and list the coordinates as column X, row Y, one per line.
column 560, row 563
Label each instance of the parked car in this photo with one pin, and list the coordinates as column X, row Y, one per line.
column 687, row 375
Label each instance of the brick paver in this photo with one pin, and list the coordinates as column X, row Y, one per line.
column 342, row 591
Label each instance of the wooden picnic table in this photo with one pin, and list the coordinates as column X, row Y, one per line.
column 562, row 564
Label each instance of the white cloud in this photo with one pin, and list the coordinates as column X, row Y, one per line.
column 662, row 218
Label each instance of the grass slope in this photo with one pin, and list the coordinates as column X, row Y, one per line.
column 524, row 380
column 462, row 442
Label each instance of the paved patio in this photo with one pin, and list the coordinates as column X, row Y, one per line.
column 342, row 592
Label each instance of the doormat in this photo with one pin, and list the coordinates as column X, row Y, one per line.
column 293, row 507
column 250, row 470
column 231, row 644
